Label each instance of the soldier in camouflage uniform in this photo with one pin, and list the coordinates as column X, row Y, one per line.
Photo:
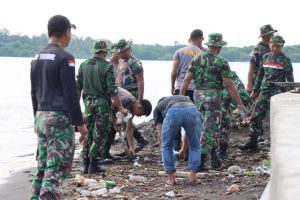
column 275, row 67
column 211, row 73
column 228, row 105
column 130, row 70
column 266, row 32
column 56, row 109
column 96, row 80
column 131, row 78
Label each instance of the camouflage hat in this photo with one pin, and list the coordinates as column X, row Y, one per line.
column 100, row 45
column 277, row 39
column 215, row 39
column 113, row 49
column 122, row 45
column 266, row 30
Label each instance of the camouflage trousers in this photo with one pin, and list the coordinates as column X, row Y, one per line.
column 209, row 105
column 99, row 118
column 54, row 154
column 260, row 108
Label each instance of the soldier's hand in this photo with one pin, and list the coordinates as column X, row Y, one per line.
column 252, row 95
column 83, row 131
column 249, row 89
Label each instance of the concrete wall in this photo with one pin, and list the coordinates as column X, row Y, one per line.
column 285, row 147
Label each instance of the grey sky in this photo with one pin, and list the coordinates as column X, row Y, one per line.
column 157, row 21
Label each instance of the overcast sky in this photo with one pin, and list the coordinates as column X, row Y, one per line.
column 157, row 21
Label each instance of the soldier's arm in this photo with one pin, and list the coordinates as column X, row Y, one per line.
column 289, row 71
column 122, row 67
column 250, row 77
column 185, row 84
column 229, row 84
column 79, row 82
column 174, row 74
column 140, row 83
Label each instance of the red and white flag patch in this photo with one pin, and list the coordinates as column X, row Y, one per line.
column 273, row 65
column 71, row 63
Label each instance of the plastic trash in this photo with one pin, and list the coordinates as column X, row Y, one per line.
column 170, row 194
column 136, row 178
column 127, row 117
column 99, row 192
column 234, row 169
column 85, row 193
column 115, row 190
column 107, row 183
column 83, row 180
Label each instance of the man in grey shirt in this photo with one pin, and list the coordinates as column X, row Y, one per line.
column 181, row 61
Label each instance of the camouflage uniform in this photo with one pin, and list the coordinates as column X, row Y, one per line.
column 96, row 79
column 209, row 69
column 134, row 68
column 55, row 153
column 228, row 104
column 273, row 69
column 260, row 49
column 129, row 81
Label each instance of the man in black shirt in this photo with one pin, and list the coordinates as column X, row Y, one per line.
column 56, row 109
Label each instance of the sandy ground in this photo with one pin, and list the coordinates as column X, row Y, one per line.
column 213, row 185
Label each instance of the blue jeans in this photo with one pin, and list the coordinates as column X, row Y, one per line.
column 187, row 117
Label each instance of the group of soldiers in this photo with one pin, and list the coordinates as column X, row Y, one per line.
column 215, row 89
column 113, row 93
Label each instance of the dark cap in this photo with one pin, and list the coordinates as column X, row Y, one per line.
column 196, row 34
column 266, row 30
column 59, row 24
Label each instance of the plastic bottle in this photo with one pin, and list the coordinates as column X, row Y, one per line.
column 85, row 193
column 99, row 192
column 127, row 117
column 83, row 180
column 107, row 183
column 136, row 178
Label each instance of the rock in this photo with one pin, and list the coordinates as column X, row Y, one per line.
column 234, row 169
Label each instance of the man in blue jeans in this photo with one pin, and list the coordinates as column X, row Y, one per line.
column 170, row 115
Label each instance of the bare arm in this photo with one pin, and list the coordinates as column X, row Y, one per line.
column 174, row 74
column 129, row 132
column 250, row 77
column 229, row 84
column 185, row 84
column 140, row 83
column 159, row 128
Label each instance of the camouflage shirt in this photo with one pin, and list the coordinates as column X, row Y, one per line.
column 273, row 69
column 96, row 78
column 237, row 81
column 209, row 69
column 255, row 56
column 134, row 67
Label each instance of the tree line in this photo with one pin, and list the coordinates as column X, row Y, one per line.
column 24, row 46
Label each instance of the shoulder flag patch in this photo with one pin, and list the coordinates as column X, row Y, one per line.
column 71, row 63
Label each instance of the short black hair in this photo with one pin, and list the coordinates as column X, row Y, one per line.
column 58, row 24
column 196, row 34
column 147, row 106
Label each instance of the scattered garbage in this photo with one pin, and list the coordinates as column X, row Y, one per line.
column 170, row 194
column 99, row 192
column 115, row 190
column 107, row 183
column 85, row 181
column 136, row 162
column 234, row 169
column 233, row 188
column 136, row 178
column 85, row 193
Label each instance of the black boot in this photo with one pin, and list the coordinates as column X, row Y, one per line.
column 250, row 145
column 215, row 161
column 142, row 142
column 203, row 160
column 107, row 145
column 94, row 168
column 86, row 164
column 223, row 151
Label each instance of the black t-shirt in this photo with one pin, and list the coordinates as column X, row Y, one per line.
column 53, row 86
column 162, row 107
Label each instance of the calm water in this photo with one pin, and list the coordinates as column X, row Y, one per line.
column 18, row 141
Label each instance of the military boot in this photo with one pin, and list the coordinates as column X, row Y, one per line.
column 223, row 151
column 86, row 164
column 93, row 167
column 215, row 161
column 250, row 145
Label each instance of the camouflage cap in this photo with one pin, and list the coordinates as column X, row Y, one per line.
column 113, row 49
column 215, row 39
column 277, row 39
column 100, row 45
column 266, row 30
column 122, row 45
